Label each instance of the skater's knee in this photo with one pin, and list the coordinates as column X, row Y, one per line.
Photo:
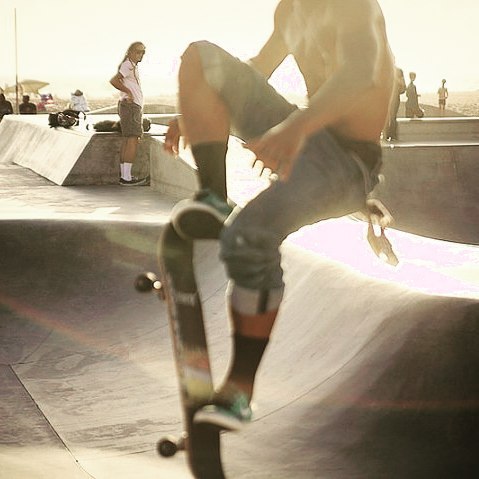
column 191, row 53
column 190, row 62
column 252, row 257
column 192, row 56
column 198, row 65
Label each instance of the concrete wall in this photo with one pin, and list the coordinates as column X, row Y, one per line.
column 80, row 156
column 433, row 190
column 50, row 152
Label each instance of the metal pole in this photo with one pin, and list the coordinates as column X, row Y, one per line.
column 16, row 62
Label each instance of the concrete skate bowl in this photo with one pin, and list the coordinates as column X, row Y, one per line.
column 365, row 377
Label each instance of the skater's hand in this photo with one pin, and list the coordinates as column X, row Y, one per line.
column 172, row 137
column 278, row 149
column 129, row 97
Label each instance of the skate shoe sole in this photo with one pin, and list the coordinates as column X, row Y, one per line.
column 195, row 220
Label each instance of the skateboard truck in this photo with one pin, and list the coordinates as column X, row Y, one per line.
column 379, row 218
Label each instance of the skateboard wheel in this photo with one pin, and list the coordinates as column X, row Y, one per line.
column 167, row 447
column 147, row 282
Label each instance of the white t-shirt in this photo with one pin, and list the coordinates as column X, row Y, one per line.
column 131, row 79
column 79, row 103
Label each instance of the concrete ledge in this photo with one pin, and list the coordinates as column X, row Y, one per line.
column 464, row 129
column 81, row 156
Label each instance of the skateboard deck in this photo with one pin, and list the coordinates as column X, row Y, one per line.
column 178, row 287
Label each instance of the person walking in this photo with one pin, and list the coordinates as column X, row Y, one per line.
column 130, row 110
column 413, row 110
column 327, row 158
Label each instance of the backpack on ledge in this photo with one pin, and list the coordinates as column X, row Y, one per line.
column 64, row 118
column 109, row 125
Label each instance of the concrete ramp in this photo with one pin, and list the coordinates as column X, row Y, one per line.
column 372, row 371
column 50, row 152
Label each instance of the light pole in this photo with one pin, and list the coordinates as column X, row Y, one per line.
column 16, row 62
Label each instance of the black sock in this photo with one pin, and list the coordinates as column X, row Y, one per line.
column 210, row 158
column 247, row 357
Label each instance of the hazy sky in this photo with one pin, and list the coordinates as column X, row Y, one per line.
column 78, row 44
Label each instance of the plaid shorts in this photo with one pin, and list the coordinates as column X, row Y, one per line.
column 130, row 118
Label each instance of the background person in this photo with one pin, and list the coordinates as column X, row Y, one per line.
column 27, row 107
column 78, row 102
column 6, row 107
column 130, row 110
column 46, row 101
column 413, row 110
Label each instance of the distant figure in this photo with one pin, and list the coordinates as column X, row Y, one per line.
column 130, row 109
column 5, row 106
column 41, row 105
column 443, row 94
column 27, row 107
column 413, row 110
column 78, row 102
column 390, row 132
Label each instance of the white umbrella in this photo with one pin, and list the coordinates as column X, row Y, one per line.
column 27, row 86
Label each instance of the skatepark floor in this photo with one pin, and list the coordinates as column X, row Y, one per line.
column 371, row 372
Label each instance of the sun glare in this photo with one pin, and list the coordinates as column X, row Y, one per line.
column 447, row 27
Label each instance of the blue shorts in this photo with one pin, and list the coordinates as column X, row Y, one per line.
column 331, row 177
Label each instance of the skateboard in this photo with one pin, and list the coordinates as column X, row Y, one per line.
column 177, row 286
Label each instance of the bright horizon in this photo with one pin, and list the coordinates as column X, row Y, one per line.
column 72, row 46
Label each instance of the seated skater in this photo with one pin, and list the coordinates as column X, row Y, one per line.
column 327, row 157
